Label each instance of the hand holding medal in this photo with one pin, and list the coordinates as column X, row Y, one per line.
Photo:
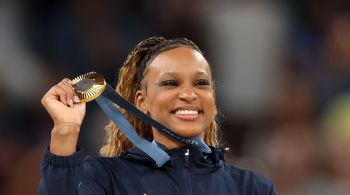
column 67, row 114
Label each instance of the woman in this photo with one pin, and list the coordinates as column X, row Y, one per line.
column 170, row 81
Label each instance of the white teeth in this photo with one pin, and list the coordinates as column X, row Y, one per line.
column 183, row 112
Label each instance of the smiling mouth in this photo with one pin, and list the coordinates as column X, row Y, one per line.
column 186, row 114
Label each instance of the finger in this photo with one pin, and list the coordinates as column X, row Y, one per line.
column 46, row 96
column 63, row 99
column 69, row 92
column 76, row 99
column 61, row 94
column 53, row 94
column 68, row 83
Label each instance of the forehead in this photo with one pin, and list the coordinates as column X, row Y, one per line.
column 180, row 59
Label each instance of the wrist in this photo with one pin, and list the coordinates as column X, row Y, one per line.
column 64, row 139
column 65, row 129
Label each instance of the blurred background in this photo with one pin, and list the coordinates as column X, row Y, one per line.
column 282, row 73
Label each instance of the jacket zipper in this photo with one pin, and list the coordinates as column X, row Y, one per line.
column 187, row 172
column 187, row 158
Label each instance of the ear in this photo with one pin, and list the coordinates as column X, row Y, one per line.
column 215, row 111
column 216, row 108
column 140, row 101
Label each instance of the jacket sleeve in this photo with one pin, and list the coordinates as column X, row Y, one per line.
column 61, row 174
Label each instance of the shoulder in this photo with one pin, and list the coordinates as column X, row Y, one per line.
column 247, row 175
column 100, row 164
column 108, row 166
column 250, row 179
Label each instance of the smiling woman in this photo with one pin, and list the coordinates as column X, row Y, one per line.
column 169, row 80
column 177, row 92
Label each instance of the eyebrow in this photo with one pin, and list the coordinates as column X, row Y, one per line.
column 174, row 74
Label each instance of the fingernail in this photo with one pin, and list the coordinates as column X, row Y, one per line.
column 76, row 99
column 71, row 103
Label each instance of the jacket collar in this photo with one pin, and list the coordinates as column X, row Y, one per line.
column 196, row 159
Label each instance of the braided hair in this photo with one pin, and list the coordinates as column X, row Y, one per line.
column 130, row 79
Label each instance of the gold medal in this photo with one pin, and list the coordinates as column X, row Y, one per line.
column 89, row 86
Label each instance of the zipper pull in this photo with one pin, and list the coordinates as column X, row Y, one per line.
column 187, row 158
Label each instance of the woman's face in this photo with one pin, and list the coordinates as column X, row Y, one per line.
column 178, row 92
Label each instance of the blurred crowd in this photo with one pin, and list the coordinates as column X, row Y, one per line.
column 281, row 69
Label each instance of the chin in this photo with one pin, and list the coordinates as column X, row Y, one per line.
column 189, row 132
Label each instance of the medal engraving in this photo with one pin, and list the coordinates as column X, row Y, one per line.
column 89, row 86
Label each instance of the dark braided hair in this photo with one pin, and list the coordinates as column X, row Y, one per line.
column 130, row 80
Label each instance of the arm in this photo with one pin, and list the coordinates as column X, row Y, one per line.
column 61, row 167
column 61, row 174
column 70, row 175
column 67, row 117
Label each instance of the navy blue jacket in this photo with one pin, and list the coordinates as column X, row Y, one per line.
column 134, row 173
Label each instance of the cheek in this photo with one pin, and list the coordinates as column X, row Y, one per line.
column 156, row 103
column 210, row 104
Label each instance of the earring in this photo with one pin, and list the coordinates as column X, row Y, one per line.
column 144, row 110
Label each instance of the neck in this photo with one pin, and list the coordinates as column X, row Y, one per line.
column 169, row 143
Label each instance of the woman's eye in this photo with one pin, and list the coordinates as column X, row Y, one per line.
column 202, row 82
column 169, row 83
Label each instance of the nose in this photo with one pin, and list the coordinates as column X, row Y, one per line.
column 188, row 94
